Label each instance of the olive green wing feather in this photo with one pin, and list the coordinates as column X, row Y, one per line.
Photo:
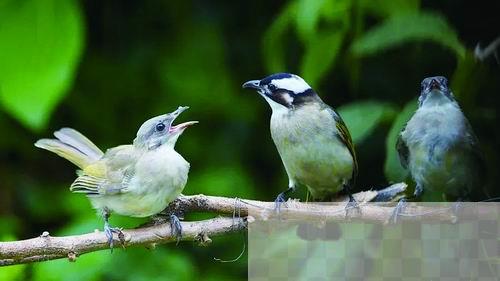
column 108, row 176
column 345, row 137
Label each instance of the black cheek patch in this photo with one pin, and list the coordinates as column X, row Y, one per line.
column 279, row 98
column 308, row 95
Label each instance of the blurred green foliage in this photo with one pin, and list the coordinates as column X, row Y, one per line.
column 373, row 112
column 41, row 44
column 392, row 168
column 404, row 27
column 105, row 67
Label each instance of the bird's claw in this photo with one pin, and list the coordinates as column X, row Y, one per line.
column 280, row 199
column 175, row 227
column 109, row 234
column 398, row 210
column 352, row 206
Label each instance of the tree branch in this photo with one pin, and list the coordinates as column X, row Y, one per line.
column 329, row 211
column 243, row 211
column 46, row 247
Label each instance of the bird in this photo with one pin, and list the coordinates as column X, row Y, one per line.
column 438, row 146
column 311, row 138
column 136, row 180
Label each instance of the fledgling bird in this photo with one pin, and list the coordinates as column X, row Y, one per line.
column 438, row 145
column 312, row 139
column 136, row 180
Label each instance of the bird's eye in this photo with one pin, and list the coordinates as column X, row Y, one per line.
column 160, row 127
column 272, row 87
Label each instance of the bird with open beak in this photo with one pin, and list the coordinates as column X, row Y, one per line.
column 312, row 139
column 136, row 180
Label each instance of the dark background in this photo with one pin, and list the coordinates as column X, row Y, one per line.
column 104, row 67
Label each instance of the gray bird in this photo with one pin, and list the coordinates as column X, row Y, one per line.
column 136, row 180
column 438, row 145
column 312, row 140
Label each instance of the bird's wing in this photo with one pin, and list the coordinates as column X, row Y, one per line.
column 108, row 176
column 345, row 137
column 403, row 151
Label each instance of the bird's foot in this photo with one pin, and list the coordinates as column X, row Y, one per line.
column 352, row 208
column 398, row 210
column 280, row 200
column 108, row 230
column 175, row 227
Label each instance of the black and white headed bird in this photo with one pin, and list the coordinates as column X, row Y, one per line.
column 311, row 137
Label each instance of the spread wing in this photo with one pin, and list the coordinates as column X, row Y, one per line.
column 345, row 137
column 403, row 151
column 108, row 176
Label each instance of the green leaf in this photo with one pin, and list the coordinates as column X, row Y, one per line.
column 385, row 8
column 394, row 172
column 307, row 17
column 363, row 117
column 335, row 11
column 40, row 45
column 320, row 55
column 274, row 40
column 408, row 27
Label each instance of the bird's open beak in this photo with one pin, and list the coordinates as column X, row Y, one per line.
column 182, row 126
column 179, row 110
column 435, row 85
column 252, row 84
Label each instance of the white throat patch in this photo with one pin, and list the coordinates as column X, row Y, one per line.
column 294, row 84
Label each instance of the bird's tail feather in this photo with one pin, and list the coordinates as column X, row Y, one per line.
column 73, row 146
column 74, row 138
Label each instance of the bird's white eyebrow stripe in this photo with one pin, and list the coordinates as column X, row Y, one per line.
column 294, row 84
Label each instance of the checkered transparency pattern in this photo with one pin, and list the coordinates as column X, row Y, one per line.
column 281, row 249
